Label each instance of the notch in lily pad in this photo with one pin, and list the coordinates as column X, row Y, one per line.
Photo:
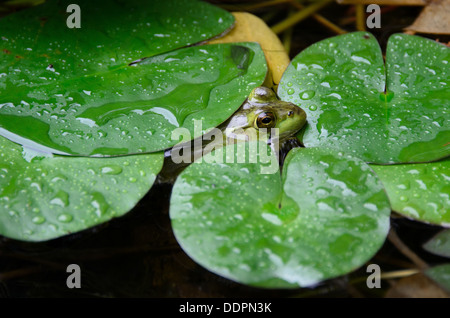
column 324, row 217
column 393, row 112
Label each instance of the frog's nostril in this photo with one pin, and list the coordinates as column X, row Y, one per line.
column 290, row 113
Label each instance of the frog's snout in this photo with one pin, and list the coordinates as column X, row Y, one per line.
column 294, row 121
column 299, row 115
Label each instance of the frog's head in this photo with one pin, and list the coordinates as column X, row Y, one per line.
column 264, row 110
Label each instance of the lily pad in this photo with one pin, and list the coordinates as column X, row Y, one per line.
column 441, row 275
column 420, row 191
column 111, row 35
column 135, row 109
column 353, row 104
column 326, row 216
column 76, row 92
column 439, row 244
column 42, row 198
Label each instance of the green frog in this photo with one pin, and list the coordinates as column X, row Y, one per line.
column 262, row 117
column 263, row 111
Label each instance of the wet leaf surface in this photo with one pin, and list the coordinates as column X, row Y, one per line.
column 420, row 191
column 77, row 94
column 439, row 244
column 42, row 198
column 101, row 43
column 325, row 217
column 135, row 109
column 340, row 82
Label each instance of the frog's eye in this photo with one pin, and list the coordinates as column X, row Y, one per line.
column 265, row 120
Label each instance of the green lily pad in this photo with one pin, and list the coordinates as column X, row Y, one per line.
column 441, row 275
column 42, row 198
column 74, row 91
column 326, row 216
column 112, row 35
column 135, row 109
column 420, row 191
column 354, row 105
column 439, row 244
